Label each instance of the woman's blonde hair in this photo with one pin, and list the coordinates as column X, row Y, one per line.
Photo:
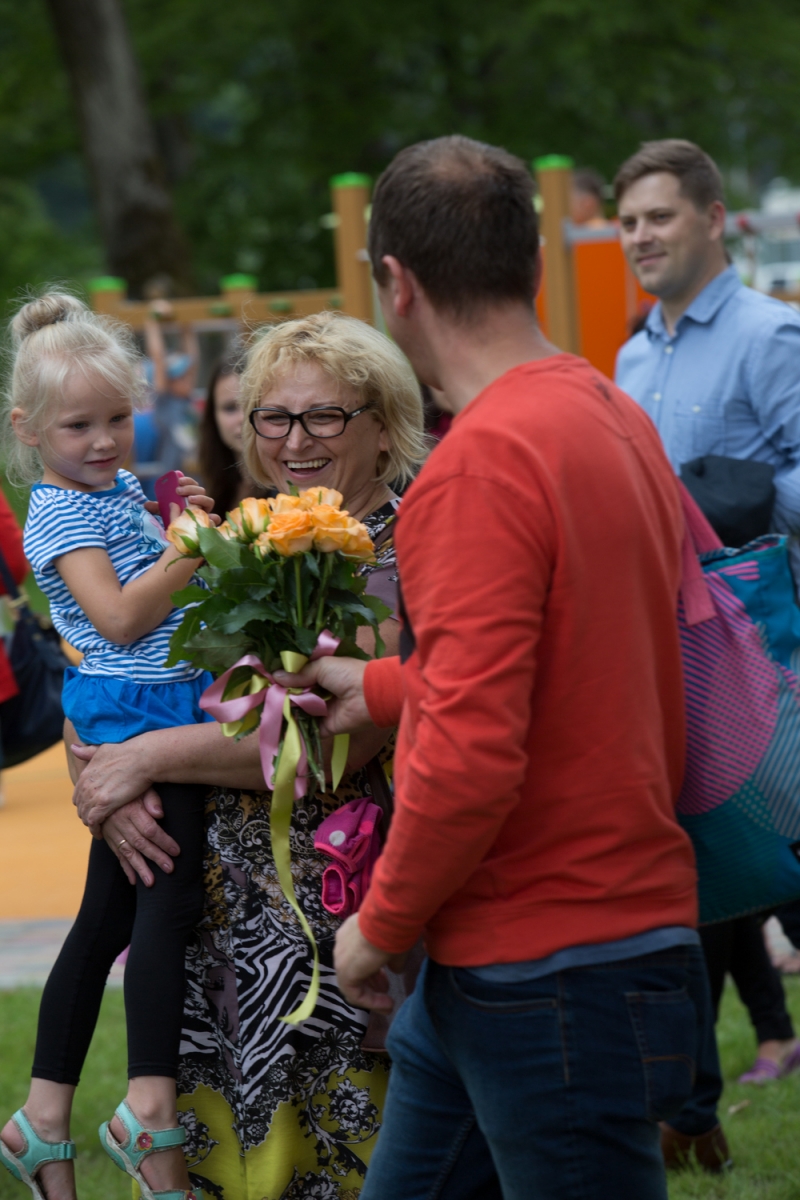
column 352, row 353
column 53, row 336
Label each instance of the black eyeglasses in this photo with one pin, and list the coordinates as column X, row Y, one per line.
column 317, row 422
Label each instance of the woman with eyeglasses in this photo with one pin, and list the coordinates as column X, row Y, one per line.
column 273, row 1109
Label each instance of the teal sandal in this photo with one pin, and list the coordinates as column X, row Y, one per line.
column 139, row 1143
column 26, row 1165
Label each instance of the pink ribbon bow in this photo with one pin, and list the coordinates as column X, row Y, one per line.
column 273, row 697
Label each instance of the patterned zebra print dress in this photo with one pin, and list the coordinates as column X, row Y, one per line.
column 274, row 1111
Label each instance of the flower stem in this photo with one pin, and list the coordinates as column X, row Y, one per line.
column 299, row 589
column 323, row 591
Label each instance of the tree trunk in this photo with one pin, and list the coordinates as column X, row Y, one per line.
column 141, row 236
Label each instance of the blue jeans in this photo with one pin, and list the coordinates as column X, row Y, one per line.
column 543, row 1090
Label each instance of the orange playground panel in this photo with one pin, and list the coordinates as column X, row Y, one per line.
column 589, row 297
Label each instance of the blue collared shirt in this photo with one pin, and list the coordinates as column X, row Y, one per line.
column 726, row 382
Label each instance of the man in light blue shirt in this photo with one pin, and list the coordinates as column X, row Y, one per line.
column 717, row 365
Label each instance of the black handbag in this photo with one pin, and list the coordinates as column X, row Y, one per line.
column 33, row 720
column 735, row 495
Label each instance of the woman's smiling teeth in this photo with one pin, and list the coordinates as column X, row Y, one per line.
column 312, row 464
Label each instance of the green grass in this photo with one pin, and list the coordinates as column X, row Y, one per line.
column 763, row 1137
column 102, row 1087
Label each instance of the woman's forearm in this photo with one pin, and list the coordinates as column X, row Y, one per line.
column 201, row 754
column 119, row 773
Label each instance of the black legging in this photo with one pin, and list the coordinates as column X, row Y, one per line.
column 738, row 946
column 156, row 922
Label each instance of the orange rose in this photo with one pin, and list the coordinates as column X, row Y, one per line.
column 331, row 527
column 250, row 519
column 183, row 531
column 288, row 533
column 283, row 503
column 359, row 543
column 327, row 496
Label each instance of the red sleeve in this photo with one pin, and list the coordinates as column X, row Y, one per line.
column 476, row 564
column 383, row 691
column 11, row 543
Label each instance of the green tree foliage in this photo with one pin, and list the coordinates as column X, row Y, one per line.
column 256, row 105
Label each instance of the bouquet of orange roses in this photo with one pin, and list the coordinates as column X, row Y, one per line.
column 283, row 587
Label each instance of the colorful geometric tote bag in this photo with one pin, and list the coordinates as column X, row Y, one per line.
column 740, row 802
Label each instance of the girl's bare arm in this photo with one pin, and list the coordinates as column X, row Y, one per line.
column 123, row 614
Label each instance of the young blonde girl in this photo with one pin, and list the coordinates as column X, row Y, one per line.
column 100, row 557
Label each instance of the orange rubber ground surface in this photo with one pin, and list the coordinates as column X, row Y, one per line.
column 43, row 845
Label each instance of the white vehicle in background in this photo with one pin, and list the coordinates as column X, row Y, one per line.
column 777, row 244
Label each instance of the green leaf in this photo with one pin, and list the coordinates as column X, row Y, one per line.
column 189, row 595
column 354, row 606
column 188, row 627
column 214, row 608
column 381, row 611
column 218, row 551
column 216, row 651
column 311, row 563
column 239, row 616
column 350, row 649
column 253, row 574
column 306, row 640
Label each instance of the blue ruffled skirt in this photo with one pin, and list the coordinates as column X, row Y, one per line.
column 107, row 709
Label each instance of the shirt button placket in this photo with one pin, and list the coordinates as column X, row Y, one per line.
column 661, row 414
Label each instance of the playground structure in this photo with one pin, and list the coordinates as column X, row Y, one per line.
column 241, row 305
column 589, row 298
column 588, row 302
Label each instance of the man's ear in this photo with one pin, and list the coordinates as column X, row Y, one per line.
column 538, row 271
column 18, row 424
column 716, row 220
column 401, row 286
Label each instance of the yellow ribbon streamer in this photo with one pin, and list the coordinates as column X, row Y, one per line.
column 282, row 804
column 293, row 662
column 280, row 820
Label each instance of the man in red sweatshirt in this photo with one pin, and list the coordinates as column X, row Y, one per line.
column 541, row 746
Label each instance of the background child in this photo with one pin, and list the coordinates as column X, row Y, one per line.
column 101, row 559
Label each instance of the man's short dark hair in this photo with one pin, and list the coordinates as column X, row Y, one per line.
column 696, row 171
column 460, row 215
column 586, row 179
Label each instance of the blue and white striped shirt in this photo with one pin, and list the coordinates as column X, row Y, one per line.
column 61, row 520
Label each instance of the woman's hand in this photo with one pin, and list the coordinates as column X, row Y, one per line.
column 134, row 836
column 113, row 777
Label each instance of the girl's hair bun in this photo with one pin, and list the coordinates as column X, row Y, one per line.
column 45, row 310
